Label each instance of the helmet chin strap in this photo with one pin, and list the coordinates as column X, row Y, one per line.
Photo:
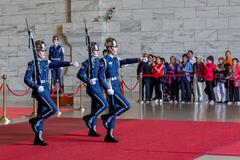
column 41, row 56
column 95, row 55
column 112, row 52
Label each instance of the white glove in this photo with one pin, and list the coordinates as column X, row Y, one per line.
column 110, row 92
column 40, row 89
column 93, row 81
column 75, row 64
column 61, row 68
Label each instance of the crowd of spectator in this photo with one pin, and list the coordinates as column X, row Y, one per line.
column 183, row 78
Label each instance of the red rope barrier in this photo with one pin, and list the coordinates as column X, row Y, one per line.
column 179, row 75
column 18, row 94
column 128, row 88
column 170, row 75
column 73, row 94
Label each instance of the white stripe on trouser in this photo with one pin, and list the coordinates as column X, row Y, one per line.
column 100, row 110
column 103, row 105
column 110, row 118
column 38, row 122
column 40, row 135
column 49, row 107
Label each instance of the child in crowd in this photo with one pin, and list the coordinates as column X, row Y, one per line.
column 158, row 73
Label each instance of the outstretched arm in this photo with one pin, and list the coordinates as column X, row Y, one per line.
column 58, row 64
column 129, row 61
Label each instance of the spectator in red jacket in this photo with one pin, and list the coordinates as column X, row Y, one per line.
column 209, row 77
column 158, row 73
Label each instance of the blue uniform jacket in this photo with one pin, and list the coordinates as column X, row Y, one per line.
column 84, row 76
column 109, row 69
column 56, row 53
column 44, row 66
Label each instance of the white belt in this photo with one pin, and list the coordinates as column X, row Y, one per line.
column 112, row 78
column 55, row 59
column 95, row 79
column 44, row 81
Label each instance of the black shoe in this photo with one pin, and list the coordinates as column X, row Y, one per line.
column 110, row 139
column 87, row 119
column 38, row 142
column 93, row 133
column 33, row 122
column 105, row 122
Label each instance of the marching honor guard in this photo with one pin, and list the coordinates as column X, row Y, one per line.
column 109, row 69
column 46, row 106
column 56, row 53
column 88, row 73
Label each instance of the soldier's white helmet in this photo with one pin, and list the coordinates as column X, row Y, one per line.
column 94, row 46
column 40, row 45
column 111, row 42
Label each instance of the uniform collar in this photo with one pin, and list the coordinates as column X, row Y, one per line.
column 42, row 59
column 110, row 55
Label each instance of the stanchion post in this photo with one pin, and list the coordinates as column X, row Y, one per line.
column 58, row 99
column 4, row 119
column 140, row 89
column 81, row 108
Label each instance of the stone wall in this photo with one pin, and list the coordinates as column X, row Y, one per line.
column 45, row 17
column 163, row 27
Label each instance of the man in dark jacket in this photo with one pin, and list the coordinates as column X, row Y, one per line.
column 146, row 69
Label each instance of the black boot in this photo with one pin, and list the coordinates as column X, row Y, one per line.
column 88, row 122
column 110, row 139
column 105, row 120
column 39, row 142
column 33, row 122
column 93, row 133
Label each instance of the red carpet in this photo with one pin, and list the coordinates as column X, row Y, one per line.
column 139, row 139
column 16, row 112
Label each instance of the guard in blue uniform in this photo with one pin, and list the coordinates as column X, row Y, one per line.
column 109, row 69
column 94, row 90
column 56, row 53
column 46, row 106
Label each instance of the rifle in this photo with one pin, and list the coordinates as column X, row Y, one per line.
column 88, row 44
column 35, row 61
